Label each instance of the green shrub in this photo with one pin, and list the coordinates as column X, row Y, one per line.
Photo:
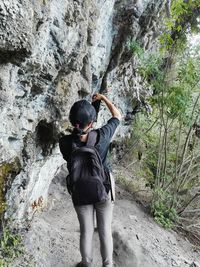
column 8, row 170
column 163, row 213
column 10, row 247
column 136, row 48
column 150, row 66
column 171, row 145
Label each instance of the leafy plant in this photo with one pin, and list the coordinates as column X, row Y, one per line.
column 136, row 48
column 7, row 171
column 150, row 68
column 163, row 213
column 10, row 247
column 183, row 18
column 172, row 143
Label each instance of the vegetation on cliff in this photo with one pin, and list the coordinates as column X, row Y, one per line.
column 168, row 138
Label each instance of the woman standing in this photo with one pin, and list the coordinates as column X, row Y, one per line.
column 82, row 115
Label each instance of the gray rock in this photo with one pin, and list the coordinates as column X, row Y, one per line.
column 51, row 54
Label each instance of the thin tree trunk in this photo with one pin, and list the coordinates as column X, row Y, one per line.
column 188, row 203
column 165, row 152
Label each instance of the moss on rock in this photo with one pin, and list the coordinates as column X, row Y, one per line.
column 8, row 170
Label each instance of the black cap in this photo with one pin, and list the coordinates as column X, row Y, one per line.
column 82, row 112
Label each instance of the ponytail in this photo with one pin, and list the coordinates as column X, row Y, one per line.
column 77, row 132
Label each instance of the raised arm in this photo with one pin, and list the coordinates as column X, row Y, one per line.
column 113, row 110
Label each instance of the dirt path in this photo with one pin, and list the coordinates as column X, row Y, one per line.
column 53, row 238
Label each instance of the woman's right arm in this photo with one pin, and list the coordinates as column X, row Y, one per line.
column 113, row 110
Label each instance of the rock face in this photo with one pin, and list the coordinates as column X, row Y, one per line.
column 52, row 53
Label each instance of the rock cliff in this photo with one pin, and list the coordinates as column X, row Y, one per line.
column 52, row 53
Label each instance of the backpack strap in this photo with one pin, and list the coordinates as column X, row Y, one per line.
column 92, row 138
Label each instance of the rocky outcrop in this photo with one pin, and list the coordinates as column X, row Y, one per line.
column 53, row 52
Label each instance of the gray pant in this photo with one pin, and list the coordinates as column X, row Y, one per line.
column 85, row 215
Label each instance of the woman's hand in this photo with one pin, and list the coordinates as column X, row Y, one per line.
column 114, row 111
column 97, row 96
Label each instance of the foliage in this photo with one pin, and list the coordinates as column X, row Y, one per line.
column 7, row 170
column 135, row 48
column 177, row 148
column 10, row 243
column 172, row 143
column 163, row 213
column 145, row 141
column 183, row 19
column 10, row 248
column 150, row 66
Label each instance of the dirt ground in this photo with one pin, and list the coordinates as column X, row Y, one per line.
column 53, row 237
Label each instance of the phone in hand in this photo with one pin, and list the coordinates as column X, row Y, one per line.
column 96, row 104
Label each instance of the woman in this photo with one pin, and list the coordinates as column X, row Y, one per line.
column 82, row 116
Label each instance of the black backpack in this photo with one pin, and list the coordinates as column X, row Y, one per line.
column 87, row 179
